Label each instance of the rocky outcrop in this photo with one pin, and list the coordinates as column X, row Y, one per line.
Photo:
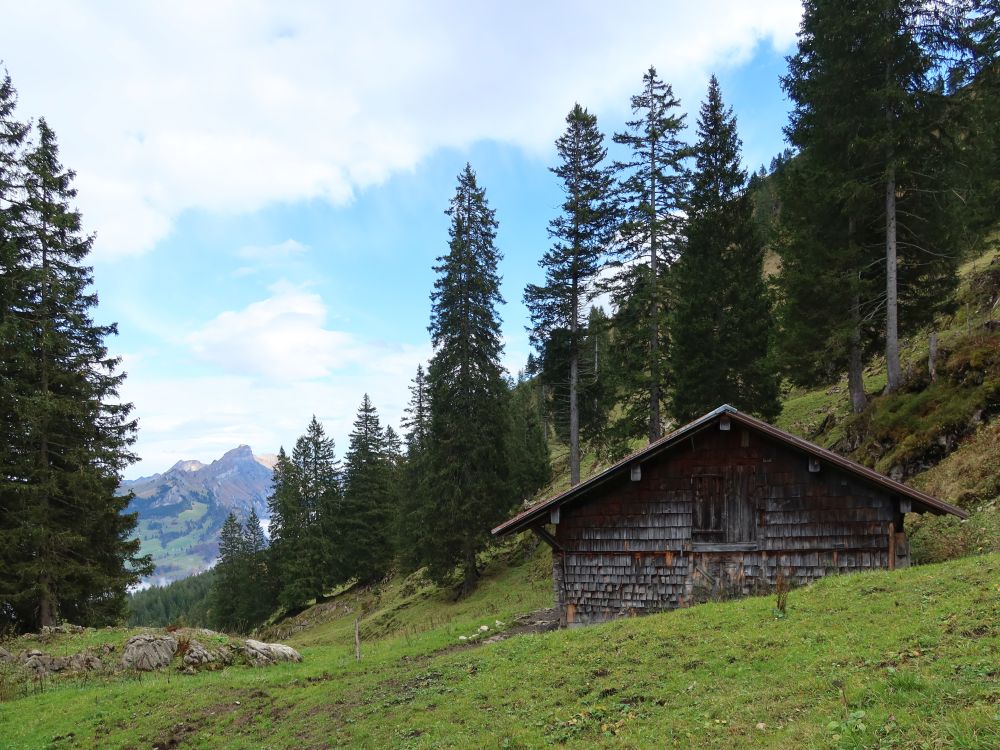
column 261, row 654
column 42, row 664
column 147, row 652
column 5, row 655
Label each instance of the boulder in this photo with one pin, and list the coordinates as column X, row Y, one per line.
column 43, row 664
column 197, row 655
column 147, row 652
column 84, row 662
column 261, row 654
column 5, row 655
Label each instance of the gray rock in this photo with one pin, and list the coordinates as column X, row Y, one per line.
column 84, row 662
column 147, row 652
column 6, row 655
column 264, row 654
column 197, row 655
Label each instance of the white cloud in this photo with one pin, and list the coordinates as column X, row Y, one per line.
column 283, row 339
column 228, row 106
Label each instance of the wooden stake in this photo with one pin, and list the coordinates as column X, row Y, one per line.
column 357, row 639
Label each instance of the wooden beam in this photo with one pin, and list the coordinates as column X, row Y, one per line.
column 546, row 537
column 892, row 546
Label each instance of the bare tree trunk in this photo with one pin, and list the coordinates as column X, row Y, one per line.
column 893, row 370
column 357, row 639
column 855, row 368
column 932, row 352
column 655, row 431
column 574, row 420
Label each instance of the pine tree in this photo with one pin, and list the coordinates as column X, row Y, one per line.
column 67, row 537
column 653, row 184
column 721, row 322
column 366, row 516
column 417, row 415
column 530, row 464
column 465, row 487
column 878, row 143
column 407, row 535
column 230, row 577
column 304, row 506
column 581, row 234
column 256, row 590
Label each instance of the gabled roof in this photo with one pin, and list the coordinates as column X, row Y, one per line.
column 538, row 513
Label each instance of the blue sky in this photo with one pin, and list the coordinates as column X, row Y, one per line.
column 267, row 181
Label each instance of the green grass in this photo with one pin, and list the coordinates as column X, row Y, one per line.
column 906, row 659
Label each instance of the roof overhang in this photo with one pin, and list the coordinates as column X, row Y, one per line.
column 538, row 514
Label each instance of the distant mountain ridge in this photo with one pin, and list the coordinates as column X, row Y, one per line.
column 181, row 511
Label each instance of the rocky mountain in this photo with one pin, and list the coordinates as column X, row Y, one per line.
column 181, row 511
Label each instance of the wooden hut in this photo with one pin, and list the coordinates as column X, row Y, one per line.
column 718, row 508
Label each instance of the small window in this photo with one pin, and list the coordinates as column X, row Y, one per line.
column 707, row 523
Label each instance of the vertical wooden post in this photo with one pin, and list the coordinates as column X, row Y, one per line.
column 357, row 639
column 892, row 546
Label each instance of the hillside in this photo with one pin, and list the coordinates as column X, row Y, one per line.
column 904, row 660
column 182, row 510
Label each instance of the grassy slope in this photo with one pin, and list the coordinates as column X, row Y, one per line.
column 905, row 660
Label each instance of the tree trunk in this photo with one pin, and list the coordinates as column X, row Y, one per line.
column 574, row 420
column 855, row 373
column 46, row 608
column 894, row 373
column 855, row 368
column 654, row 308
column 470, row 574
column 932, row 352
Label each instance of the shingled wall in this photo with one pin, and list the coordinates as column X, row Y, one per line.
column 629, row 548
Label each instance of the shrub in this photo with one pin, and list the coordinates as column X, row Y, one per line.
column 939, row 538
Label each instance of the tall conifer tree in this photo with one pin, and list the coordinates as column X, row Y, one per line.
column 304, row 505
column 366, row 515
column 466, row 486
column 581, row 233
column 877, row 144
column 653, row 185
column 66, row 535
column 721, row 322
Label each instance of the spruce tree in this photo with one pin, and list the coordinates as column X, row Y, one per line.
column 653, row 184
column 465, row 488
column 530, row 464
column 304, row 505
column 365, row 520
column 879, row 141
column 230, row 577
column 581, row 233
column 408, row 533
column 256, row 591
column 417, row 414
column 721, row 322
column 67, row 538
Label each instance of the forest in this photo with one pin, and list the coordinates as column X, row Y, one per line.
column 724, row 286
